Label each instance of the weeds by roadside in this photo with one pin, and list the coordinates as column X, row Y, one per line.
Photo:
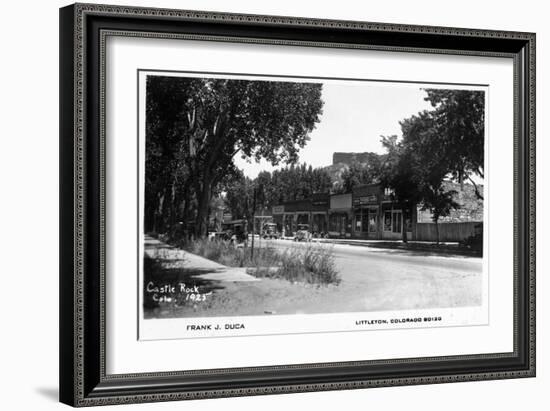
column 312, row 264
column 227, row 254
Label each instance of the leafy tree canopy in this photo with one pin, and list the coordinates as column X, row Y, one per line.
column 459, row 121
column 196, row 126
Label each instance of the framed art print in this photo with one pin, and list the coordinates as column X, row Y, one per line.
column 262, row 204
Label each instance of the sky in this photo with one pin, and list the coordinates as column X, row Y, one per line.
column 355, row 115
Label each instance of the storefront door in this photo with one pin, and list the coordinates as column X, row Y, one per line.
column 393, row 224
column 397, row 221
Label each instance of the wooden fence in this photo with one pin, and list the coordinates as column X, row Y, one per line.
column 448, row 232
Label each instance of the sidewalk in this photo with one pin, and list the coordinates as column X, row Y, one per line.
column 177, row 258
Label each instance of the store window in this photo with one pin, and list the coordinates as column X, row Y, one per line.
column 344, row 224
column 393, row 221
column 373, row 221
column 333, row 223
column 387, row 221
column 366, row 220
column 319, row 223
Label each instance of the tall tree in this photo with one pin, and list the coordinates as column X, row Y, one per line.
column 459, row 118
column 416, row 168
column 167, row 173
column 239, row 191
column 400, row 171
column 296, row 182
column 360, row 173
column 440, row 202
column 213, row 120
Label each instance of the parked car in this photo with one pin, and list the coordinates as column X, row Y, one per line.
column 269, row 230
column 219, row 235
column 236, row 231
column 239, row 237
column 303, row 233
column 320, row 234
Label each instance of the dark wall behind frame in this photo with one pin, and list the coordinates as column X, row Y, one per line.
column 81, row 380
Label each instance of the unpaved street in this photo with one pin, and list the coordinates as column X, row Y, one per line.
column 373, row 279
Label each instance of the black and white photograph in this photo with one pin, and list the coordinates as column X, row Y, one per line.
column 268, row 196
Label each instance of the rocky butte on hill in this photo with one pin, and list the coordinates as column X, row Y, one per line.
column 341, row 161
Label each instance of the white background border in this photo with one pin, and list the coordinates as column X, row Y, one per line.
column 125, row 55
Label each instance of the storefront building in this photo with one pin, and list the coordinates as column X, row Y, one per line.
column 377, row 217
column 367, row 213
column 312, row 211
column 319, row 214
column 278, row 212
column 340, row 216
column 295, row 212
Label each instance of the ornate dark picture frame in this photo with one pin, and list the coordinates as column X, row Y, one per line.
column 83, row 30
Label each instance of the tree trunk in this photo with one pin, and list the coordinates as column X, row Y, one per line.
column 160, row 213
column 185, row 212
column 201, row 227
column 172, row 209
column 403, row 228
column 437, row 232
column 476, row 189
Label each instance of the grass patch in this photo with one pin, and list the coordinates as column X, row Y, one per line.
column 312, row 264
column 227, row 254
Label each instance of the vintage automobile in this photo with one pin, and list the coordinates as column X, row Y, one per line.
column 320, row 234
column 236, row 231
column 269, row 230
column 220, row 235
column 303, row 233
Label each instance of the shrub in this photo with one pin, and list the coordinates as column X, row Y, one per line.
column 474, row 243
column 313, row 264
column 227, row 254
